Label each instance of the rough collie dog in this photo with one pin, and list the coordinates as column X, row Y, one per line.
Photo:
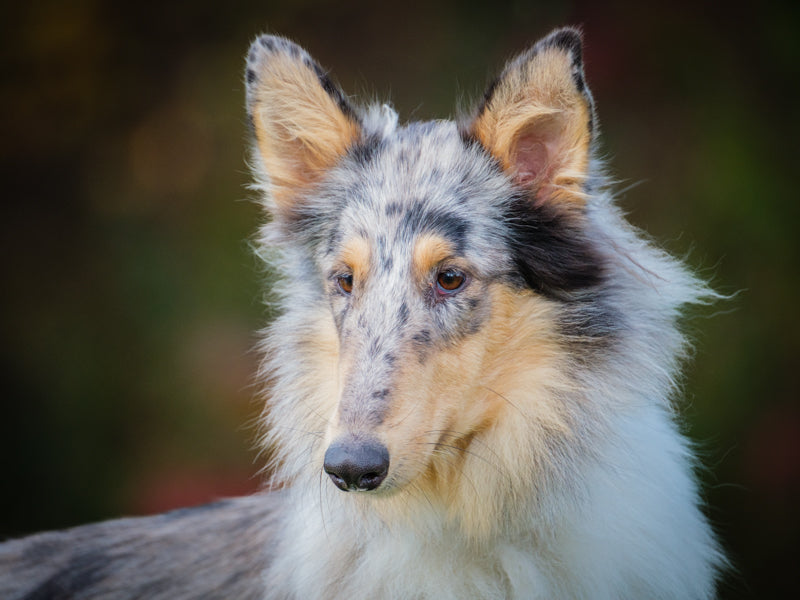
column 471, row 380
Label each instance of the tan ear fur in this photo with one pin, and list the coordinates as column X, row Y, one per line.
column 537, row 121
column 302, row 122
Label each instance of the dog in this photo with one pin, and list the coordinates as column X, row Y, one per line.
column 471, row 381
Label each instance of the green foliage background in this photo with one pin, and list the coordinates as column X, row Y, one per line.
column 130, row 298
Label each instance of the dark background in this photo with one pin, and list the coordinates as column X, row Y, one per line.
column 130, row 299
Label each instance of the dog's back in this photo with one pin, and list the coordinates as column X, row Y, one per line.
column 213, row 551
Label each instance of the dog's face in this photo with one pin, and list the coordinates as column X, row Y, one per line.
column 442, row 255
column 411, row 269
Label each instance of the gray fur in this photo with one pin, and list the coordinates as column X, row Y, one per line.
column 213, row 551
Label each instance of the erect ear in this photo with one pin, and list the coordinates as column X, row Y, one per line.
column 537, row 120
column 303, row 123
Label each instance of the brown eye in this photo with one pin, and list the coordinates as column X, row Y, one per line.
column 450, row 280
column 345, row 283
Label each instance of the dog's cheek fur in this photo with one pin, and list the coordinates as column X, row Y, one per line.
column 304, row 365
column 497, row 398
column 552, row 254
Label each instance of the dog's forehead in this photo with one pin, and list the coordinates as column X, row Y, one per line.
column 421, row 179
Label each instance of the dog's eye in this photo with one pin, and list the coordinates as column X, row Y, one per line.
column 450, row 281
column 345, row 283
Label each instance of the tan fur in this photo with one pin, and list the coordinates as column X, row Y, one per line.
column 300, row 130
column 356, row 256
column 465, row 406
column 429, row 251
column 519, row 359
column 536, row 105
column 468, row 405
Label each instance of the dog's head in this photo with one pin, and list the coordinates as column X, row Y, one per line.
column 430, row 264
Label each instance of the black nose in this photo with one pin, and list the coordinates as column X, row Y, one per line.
column 359, row 465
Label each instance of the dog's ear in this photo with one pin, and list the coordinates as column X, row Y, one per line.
column 537, row 119
column 302, row 121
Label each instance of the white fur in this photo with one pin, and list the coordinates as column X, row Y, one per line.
column 629, row 527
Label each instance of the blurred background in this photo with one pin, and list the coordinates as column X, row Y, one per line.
column 130, row 299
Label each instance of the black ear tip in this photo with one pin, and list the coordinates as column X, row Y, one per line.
column 568, row 39
column 263, row 49
column 267, row 42
column 266, row 45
